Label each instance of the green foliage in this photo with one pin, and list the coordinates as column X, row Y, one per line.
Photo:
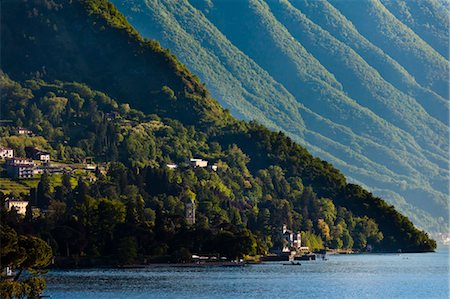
column 127, row 250
column 29, row 288
column 259, row 185
column 22, row 252
column 36, row 285
column 137, row 210
column 373, row 102
column 11, row 253
column 314, row 242
column 108, row 26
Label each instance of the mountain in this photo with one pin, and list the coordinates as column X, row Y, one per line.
column 362, row 84
column 69, row 66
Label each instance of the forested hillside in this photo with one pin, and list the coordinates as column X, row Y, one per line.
column 69, row 66
column 361, row 84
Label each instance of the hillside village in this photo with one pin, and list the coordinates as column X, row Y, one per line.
column 38, row 162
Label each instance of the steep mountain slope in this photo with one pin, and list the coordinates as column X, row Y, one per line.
column 359, row 107
column 92, row 43
column 331, row 20
column 428, row 19
column 74, row 35
column 398, row 41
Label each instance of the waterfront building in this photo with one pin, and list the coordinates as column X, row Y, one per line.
column 291, row 240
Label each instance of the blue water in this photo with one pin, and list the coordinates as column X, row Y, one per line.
column 341, row 276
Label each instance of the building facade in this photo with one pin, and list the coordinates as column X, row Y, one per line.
column 6, row 153
column 172, row 166
column 198, row 163
column 37, row 154
column 292, row 241
column 18, row 168
column 24, row 131
column 20, row 206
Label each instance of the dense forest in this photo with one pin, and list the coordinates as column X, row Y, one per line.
column 141, row 113
column 361, row 84
column 137, row 208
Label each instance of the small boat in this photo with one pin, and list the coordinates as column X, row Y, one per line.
column 292, row 264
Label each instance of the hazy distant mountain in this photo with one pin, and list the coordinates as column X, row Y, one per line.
column 362, row 84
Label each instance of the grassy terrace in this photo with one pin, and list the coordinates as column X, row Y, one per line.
column 11, row 186
column 19, row 186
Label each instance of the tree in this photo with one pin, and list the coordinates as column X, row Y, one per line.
column 11, row 253
column 44, row 191
column 235, row 245
column 56, row 210
column 23, row 252
column 110, row 213
column 38, row 254
column 127, row 250
column 66, row 183
column 135, row 205
column 324, row 229
column 81, row 191
column 117, row 172
column 347, row 240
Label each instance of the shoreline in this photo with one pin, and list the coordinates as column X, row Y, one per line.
column 92, row 264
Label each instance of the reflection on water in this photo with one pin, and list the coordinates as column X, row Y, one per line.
column 342, row 276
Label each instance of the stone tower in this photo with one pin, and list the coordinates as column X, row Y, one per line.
column 189, row 208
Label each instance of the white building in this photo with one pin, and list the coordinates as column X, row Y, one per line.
column 24, row 131
column 19, row 205
column 198, row 163
column 19, row 161
column 291, row 240
column 6, row 153
column 172, row 166
column 213, row 167
column 18, row 168
column 37, row 154
column 43, row 156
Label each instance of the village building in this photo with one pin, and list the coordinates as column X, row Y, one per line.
column 213, row 167
column 43, row 156
column 90, row 167
column 19, row 205
column 38, row 170
column 112, row 115
column 87, row 160
column 291, row 241
column 48, row 168
column 6, row 153
column 195, row 162
column 24, row 131
column 18, row 168
column 37, row 154
column 172, row 166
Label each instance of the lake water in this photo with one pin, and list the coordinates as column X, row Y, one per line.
column 341, row 276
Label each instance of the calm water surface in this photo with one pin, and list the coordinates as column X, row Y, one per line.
column 342, row 276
